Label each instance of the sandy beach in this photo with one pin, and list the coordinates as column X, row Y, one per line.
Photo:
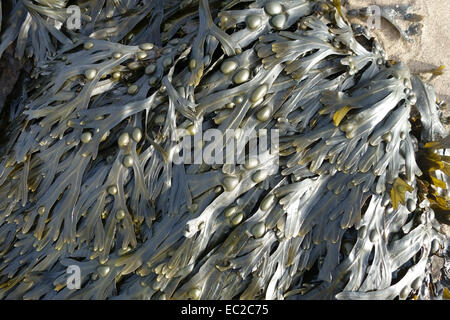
column 429, row 50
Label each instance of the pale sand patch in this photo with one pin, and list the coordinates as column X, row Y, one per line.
column 429, row 50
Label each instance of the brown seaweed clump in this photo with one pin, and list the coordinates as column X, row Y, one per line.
column 347, row 206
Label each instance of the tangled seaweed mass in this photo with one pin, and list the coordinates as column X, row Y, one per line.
column 350, row 207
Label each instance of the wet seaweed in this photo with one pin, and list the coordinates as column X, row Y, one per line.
column 347, row 208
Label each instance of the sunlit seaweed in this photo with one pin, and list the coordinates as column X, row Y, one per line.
column 86, row 178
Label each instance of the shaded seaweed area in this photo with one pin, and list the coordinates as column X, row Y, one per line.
column 347, row 207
